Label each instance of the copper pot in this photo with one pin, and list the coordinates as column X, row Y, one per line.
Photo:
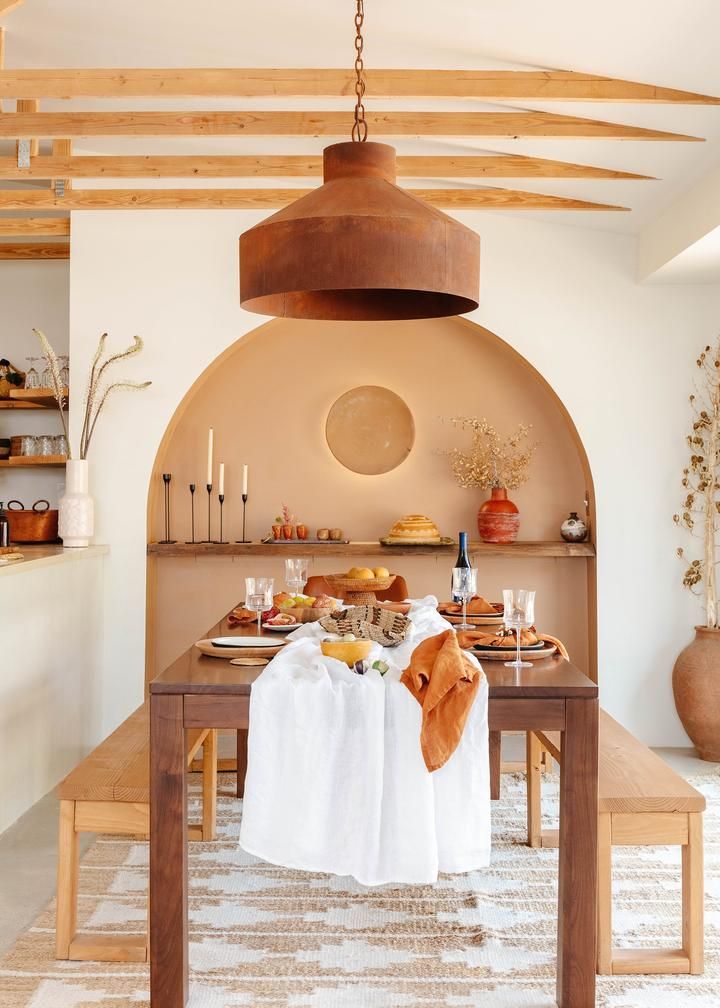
column 498, row 518
column 696, row 687
column 36, row 525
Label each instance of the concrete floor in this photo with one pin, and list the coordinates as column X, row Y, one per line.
column 28, row 848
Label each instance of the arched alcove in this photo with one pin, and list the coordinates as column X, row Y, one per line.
column 267, row 398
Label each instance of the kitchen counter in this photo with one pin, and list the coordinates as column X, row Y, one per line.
column 44, row 556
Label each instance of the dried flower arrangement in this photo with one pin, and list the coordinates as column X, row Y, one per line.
column 701, row 507
column 492, row 461
column 98, row 388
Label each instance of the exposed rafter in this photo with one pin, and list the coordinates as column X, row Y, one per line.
column 44, row 227
column 296, row 166
column 271, row 123
column 9, row 5
column 270, row 199
column 486, row 85
column 34, row 250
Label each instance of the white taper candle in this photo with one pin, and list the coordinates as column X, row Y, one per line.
column 221, row 479
column 245, row 480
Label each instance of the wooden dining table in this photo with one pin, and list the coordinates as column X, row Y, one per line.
column 204, row 692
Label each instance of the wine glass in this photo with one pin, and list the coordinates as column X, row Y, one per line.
column 32, row 378
column 464, row 586
column 296, row 575
column 258, row 596
column 64, row 370
column 519, row 615
column 47, row 379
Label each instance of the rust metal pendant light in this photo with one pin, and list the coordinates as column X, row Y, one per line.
column 359, row 247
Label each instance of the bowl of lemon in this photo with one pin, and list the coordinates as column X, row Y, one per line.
column 359, row 584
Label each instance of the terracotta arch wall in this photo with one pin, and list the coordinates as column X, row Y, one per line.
column 267, row 398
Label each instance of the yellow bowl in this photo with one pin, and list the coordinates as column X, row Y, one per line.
column 346, row 651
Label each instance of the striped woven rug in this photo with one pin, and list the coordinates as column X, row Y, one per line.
column 267, row 936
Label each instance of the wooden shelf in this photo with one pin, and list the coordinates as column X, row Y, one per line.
column 28, row 461
column 35, row 398
column 295, row 548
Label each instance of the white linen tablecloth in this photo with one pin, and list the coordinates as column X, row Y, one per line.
column 336, row 781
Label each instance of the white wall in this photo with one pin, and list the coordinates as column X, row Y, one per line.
column 618, row 354
column 36, row 295
column 51, row 622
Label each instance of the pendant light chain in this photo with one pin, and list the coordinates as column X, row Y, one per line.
column 359, row 130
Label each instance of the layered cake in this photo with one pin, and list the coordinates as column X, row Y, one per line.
column 414, row 529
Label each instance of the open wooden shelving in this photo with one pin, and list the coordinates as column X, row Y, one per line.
column 35, row 398
column 29, row 461
column 295, row 548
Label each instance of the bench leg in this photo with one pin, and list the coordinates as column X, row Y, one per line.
column 242, row 756
column 209, row 786
column 495, row 744
column 67, row 881
column 604, row 897
column 693, row 894
column 534, row 783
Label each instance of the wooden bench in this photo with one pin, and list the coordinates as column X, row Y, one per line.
column 109, row 792
column 641, row 802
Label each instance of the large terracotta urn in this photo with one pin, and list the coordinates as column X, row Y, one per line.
column 498, row 518
column 696, row 685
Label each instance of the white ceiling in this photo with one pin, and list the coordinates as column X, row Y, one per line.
column 673, row 43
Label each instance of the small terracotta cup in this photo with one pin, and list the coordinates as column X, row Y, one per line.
column 336, row 534
column 288, row 531
column 323, row 534
column 277, row 531
column 301, row 531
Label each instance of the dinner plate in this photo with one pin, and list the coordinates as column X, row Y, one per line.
column 285, row 628
column 242, row 642
column 538, row 646
column 267, row 650
column 486, row 619
column 510, row 654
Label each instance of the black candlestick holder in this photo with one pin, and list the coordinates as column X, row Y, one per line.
column 167, row 541
column 191, row 542
column 244, row 540
column 208, row 487
column 221, row 498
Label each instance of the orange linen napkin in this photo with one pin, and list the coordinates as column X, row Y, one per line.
column 466, row 639
column 444, row 682
column 241, row 615
column 477, row 606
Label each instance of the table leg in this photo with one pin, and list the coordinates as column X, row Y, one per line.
column 168, row 854
column 577, row 869
column 242, row 756
column 495, row 744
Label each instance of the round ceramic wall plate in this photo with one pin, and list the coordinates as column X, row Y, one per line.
column 370, row 430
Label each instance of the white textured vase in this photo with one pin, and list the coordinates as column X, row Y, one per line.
column 77, row 510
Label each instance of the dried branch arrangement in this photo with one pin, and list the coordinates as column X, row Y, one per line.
column 700, row 513
column 492, row 460
column 99, row 386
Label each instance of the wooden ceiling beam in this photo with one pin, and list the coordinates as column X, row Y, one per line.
column 34, row 250
column 297, row 166
column 509, row 125
column 20, row 227
column 271, row 199
column 483, row 85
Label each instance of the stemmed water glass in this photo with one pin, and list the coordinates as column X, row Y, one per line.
column 32, row 378
column 296, row 574
column 464, row 587
column 258, row 596
column 519, row 615
column 64, row 369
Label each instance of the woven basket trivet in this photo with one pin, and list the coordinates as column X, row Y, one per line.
column 381, row 625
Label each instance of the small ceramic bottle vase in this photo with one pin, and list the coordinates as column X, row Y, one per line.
column 574, row 529
column 77, row 511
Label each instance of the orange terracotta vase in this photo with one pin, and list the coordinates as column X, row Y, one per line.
column 696, row 687
column 498, row 518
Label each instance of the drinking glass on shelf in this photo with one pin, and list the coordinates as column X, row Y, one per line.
column 258, row 596
column 32, row 378
column 28, row 445
column 519, row 615
column 64, row 370
column 59, row 445
column 296, row 572
column 46, row 378
column 45, row 445
column 464, row 586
